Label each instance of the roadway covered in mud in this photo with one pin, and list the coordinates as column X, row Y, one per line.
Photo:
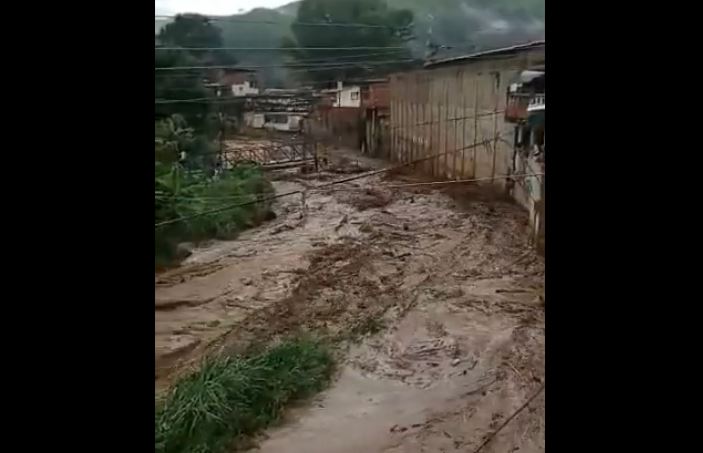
column 439, row 282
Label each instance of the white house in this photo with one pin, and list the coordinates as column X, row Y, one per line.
column 245, row 88
column 282, row 121
column 349, row 96
column 242, row 82
column 277, row 121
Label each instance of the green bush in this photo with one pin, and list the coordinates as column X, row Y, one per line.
column 229, row 398
column 179, row 195
column 185, row 187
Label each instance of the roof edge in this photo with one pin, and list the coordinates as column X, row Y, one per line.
column 486, row 53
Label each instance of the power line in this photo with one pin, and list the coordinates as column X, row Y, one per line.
column 286, row 65
column 315, row 61
column 278, row 48
column 332, row 183
column 307, row 68
column 294, row 23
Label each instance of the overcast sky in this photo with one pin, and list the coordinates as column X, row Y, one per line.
column 218, row 7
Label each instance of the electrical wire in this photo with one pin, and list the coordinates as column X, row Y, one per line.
column 288, row 65
column 294, row 23
column 332, row 183
column 253, row 49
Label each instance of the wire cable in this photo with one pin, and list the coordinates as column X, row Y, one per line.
column 332, row 183
column 162, row 48
column 294, row 23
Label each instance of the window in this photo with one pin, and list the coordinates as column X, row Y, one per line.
column 276, row 118
column 355, row 96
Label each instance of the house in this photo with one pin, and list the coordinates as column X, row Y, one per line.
column 525, row 107
column 275, row 121
column 283, row 121
column 347, row 96
column 358, row 93
column 278, row 109
column 520, row 92
column 241, row 82
column 451, row 117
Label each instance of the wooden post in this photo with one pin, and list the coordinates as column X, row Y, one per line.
column 447, row 123
column 431, row 125
column 475, row 146
column 463, row 126
column 495, row 125
column 391, row 144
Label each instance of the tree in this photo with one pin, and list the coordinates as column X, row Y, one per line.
column 178, row 85
column 191, row 30
column 197, row 31
column 392, row 29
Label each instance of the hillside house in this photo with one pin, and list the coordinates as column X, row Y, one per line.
column 241, row 82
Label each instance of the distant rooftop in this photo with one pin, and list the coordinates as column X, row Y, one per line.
column 486, row 53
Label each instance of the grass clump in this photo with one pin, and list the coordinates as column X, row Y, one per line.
column 230, row 398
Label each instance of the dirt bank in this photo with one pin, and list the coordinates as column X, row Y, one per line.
column 441, row 281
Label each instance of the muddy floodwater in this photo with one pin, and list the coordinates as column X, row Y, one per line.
column 444, row 274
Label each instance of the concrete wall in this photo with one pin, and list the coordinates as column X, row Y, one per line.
column 457, row 111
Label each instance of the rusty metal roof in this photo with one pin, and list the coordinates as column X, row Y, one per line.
column 485, row 53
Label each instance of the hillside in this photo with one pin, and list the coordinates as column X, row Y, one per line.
column 465, row 25
column 462, row 25
column 475, row 24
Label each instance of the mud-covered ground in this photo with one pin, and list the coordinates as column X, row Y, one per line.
column 438, row 281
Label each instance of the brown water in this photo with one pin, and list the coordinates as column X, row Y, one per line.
column 447, row 272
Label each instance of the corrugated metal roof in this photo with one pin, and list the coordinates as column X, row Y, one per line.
column 486, row 53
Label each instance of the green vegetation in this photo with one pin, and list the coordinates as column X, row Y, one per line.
column 468, row 25
column 394, row 27
column 180, row 194
column 229, row 398
column 188, row 179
